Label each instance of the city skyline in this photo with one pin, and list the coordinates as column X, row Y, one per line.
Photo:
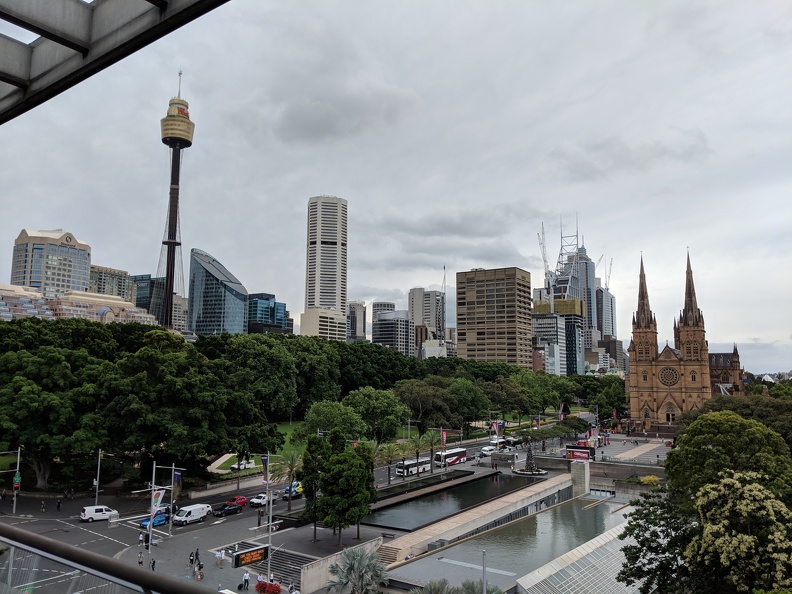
column 653, row 129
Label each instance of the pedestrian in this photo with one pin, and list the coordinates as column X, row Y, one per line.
column 217, row 558
column 58, row 504
column 219, row 587
column 192, row 558
column 197, row 556
column 246, row 580
column 222, row 557
column 43, row 509
column 272, row 577
column 140, row 559
column 260, row 579
column 3, row 496
column 291, row 587
column 153, row 563
column 140, row 539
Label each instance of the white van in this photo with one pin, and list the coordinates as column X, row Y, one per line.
column 192, row 513
column 96, row 512
column 497, row 441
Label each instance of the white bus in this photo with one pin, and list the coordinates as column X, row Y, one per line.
column 449, row 457
column 412, row 466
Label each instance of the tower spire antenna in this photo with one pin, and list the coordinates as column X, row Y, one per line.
column 179, row 92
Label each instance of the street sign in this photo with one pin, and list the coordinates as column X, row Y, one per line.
column 251, row 556
column 17, row 481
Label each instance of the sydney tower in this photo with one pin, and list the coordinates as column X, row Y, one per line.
column 177, row 133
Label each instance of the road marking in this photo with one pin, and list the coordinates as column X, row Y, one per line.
column 49, row 579
column 479, row 567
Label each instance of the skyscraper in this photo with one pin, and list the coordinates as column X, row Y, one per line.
column 109, row 281
column 427, row 308
column 356, row 321
column 217, row 301
column 326, row 269
column 51, row 262
column 395, row 330
column 494, row 316
column 326, row 261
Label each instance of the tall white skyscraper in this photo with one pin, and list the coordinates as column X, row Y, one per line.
column 326, row 269
column 326, row 261
column 427, row 308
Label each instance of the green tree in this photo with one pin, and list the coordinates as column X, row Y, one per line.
column 435, row 587
column 469, row 401
column 656, row 536
column 51, row 404
column 346, row 490
column 433, row 441
column 381, row 410
column 745, row 536
column 388, row 453
column 724, row 441
column 325, row 416
column 358, row 569
column 285, row 468
column 317, row 452
column 429, row 401
column 416, row 444
column 317, row 365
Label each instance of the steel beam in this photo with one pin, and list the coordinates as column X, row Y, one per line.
column 77, row 41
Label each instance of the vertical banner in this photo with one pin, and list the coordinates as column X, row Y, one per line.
column 561, row 412
column 156, row 499
column 443, row 435
column 177, row 485
column 495, row 427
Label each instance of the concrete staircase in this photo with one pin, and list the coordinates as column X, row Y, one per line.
column 387, row 555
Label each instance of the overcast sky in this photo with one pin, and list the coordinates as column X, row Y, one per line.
column 454, row 129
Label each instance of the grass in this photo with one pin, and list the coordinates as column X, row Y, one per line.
column 8, row 462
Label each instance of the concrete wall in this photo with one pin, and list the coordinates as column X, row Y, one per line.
column 609, row 470
column 314, row 576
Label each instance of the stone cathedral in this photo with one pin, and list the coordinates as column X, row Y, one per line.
column 664, row 383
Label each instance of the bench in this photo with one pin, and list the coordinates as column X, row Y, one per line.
column 388, row 535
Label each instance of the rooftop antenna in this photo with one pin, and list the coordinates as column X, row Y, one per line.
column 180, row 75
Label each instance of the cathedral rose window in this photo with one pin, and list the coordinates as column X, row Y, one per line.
column 669, row 376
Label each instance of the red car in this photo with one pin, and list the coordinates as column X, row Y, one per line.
column 238, row 500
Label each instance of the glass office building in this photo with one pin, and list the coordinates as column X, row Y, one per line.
column 265, row 314
column 217, row 300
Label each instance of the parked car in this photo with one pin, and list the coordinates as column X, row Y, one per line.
column 96, row 512
column 238, row 500
column 160, row 518
column 165, row 507
column 226, row 510
column 258, row 501
column 295, row 489
column 487, row 450
column 243, row 465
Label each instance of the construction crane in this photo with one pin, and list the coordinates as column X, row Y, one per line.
column 607, row 278
column 550, row 276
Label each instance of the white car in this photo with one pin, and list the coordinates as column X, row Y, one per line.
column 259, row 500
column 243, row 465
column 487, row 450
column 96, row 512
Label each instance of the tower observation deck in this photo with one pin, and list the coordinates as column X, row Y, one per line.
column 177, row 133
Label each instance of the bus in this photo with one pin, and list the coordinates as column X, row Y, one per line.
column 412, row 466
column 449, row 457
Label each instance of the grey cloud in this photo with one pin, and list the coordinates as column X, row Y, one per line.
column 334, row 113
column 604, row 157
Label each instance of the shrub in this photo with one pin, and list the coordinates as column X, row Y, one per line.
column 650, row 479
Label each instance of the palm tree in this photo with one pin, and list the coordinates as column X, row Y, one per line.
column 436, row 587
column 416, row 444
column 285, row 468
column 389, row 452
column 433, row 440
column 358, row 568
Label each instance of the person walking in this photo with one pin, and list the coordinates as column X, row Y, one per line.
column 58, row 505
column 153, row 563
column 192, row 558
column 197, row 556
column 222, row 557
column 217, row 558
column 3, row 496
column 246, row 580
column 140, row 539
column 140, row 559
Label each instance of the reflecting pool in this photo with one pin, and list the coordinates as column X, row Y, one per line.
column 519, row 548
column 436, row 506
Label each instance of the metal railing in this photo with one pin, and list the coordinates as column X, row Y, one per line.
column 22, row 553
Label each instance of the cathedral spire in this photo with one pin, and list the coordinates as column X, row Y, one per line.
column 691, row 315
column 644, row 318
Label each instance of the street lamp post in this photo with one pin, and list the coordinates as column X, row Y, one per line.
column 96, row 482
